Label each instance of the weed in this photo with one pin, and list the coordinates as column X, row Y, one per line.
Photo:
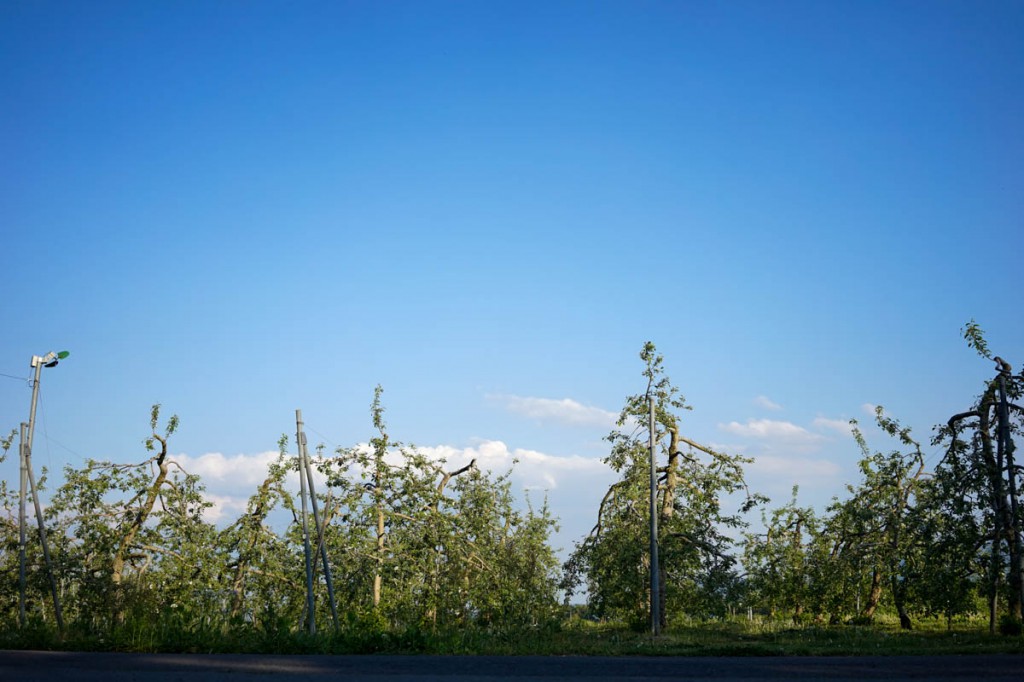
column 577, row 637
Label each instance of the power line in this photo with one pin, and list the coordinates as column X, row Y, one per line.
column 61, row 445
column 325, row 438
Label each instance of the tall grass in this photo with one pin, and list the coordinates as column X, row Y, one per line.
column 573, row 637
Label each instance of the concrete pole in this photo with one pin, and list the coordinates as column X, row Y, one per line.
column 57, row 612
column 37, row 363
column 655, row 594
column 305, row 526
column 21, row 525
column 308, row 473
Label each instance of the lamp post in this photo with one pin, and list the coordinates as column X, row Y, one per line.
column 25, row 450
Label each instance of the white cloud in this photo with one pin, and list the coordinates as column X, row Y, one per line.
column 767, row 403
column 774, row 434
column 796, row 467
column 731, row 448
column 565, row 411
column 842, row 426
column 868, row 409
column 770, row 429
column 231, row 481
column 236, row 471
column 225, row 508
column 579, row 481
column 533, row 469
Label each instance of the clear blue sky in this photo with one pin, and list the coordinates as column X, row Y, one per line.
column 238, row 209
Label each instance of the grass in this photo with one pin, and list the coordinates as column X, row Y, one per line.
column 728, row 638
column 761, row 639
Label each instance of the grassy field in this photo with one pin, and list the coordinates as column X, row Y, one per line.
column 736, row 638
column 773, row 639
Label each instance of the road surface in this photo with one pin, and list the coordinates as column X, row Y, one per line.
column 53, row 666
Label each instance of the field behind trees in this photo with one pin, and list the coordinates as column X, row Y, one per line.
column 406, row 554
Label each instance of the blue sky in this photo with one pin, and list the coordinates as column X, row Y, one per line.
column 238, row 209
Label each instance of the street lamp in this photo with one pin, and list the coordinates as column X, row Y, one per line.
column 27, row 476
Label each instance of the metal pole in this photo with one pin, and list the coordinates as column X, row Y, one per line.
column 21, row 526
column 46, row 545
column 305, row 527
column 308, row 472
column 37, row 363
column 655, row 596
column 26, row 447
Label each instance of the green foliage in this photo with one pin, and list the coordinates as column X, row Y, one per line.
column 979, row 521
column 872, row 529
column 783, row 564
column 730, row 637
column 418, row 551
column 131, row 540
column 613, row 562
column 975, row 337
column 420, row 546
column 430, row 557
column 1010, row 625
column 6, row 442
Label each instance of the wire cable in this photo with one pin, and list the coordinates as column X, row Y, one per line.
column 322, row 436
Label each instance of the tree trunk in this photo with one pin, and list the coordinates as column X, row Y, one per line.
column 377, row 580
column 1005, row 454
column 874, row 595
column 668, row 502
column 994, row 469
column 899, row 598
column 253, row 523
column 120, row 554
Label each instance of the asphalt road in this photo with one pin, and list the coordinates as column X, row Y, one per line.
column 53, row 666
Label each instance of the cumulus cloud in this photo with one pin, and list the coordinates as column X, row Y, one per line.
column 580, row 481
column 230, row 481
column 731, row 448
column 533, row 469
column 767, row 403
column 775, row 434
column 868, row 409
column 769, row 429
column 842, row 426
column 565, row 411
column 225, row 508
column 245, row 471
column 795, row 466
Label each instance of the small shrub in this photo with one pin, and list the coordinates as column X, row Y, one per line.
column 1010, row 626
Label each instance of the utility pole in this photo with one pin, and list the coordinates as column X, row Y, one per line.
column 310, row 613
column 21, row 524
column 655, row 595
column 307, row 472
column 49, row 360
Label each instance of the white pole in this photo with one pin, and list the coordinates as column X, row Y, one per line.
column 21, row 526
column 308, row 473
column 655, row 582
column 305, row 525
column 37, row 363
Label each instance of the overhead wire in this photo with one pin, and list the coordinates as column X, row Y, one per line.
column 322, row 436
